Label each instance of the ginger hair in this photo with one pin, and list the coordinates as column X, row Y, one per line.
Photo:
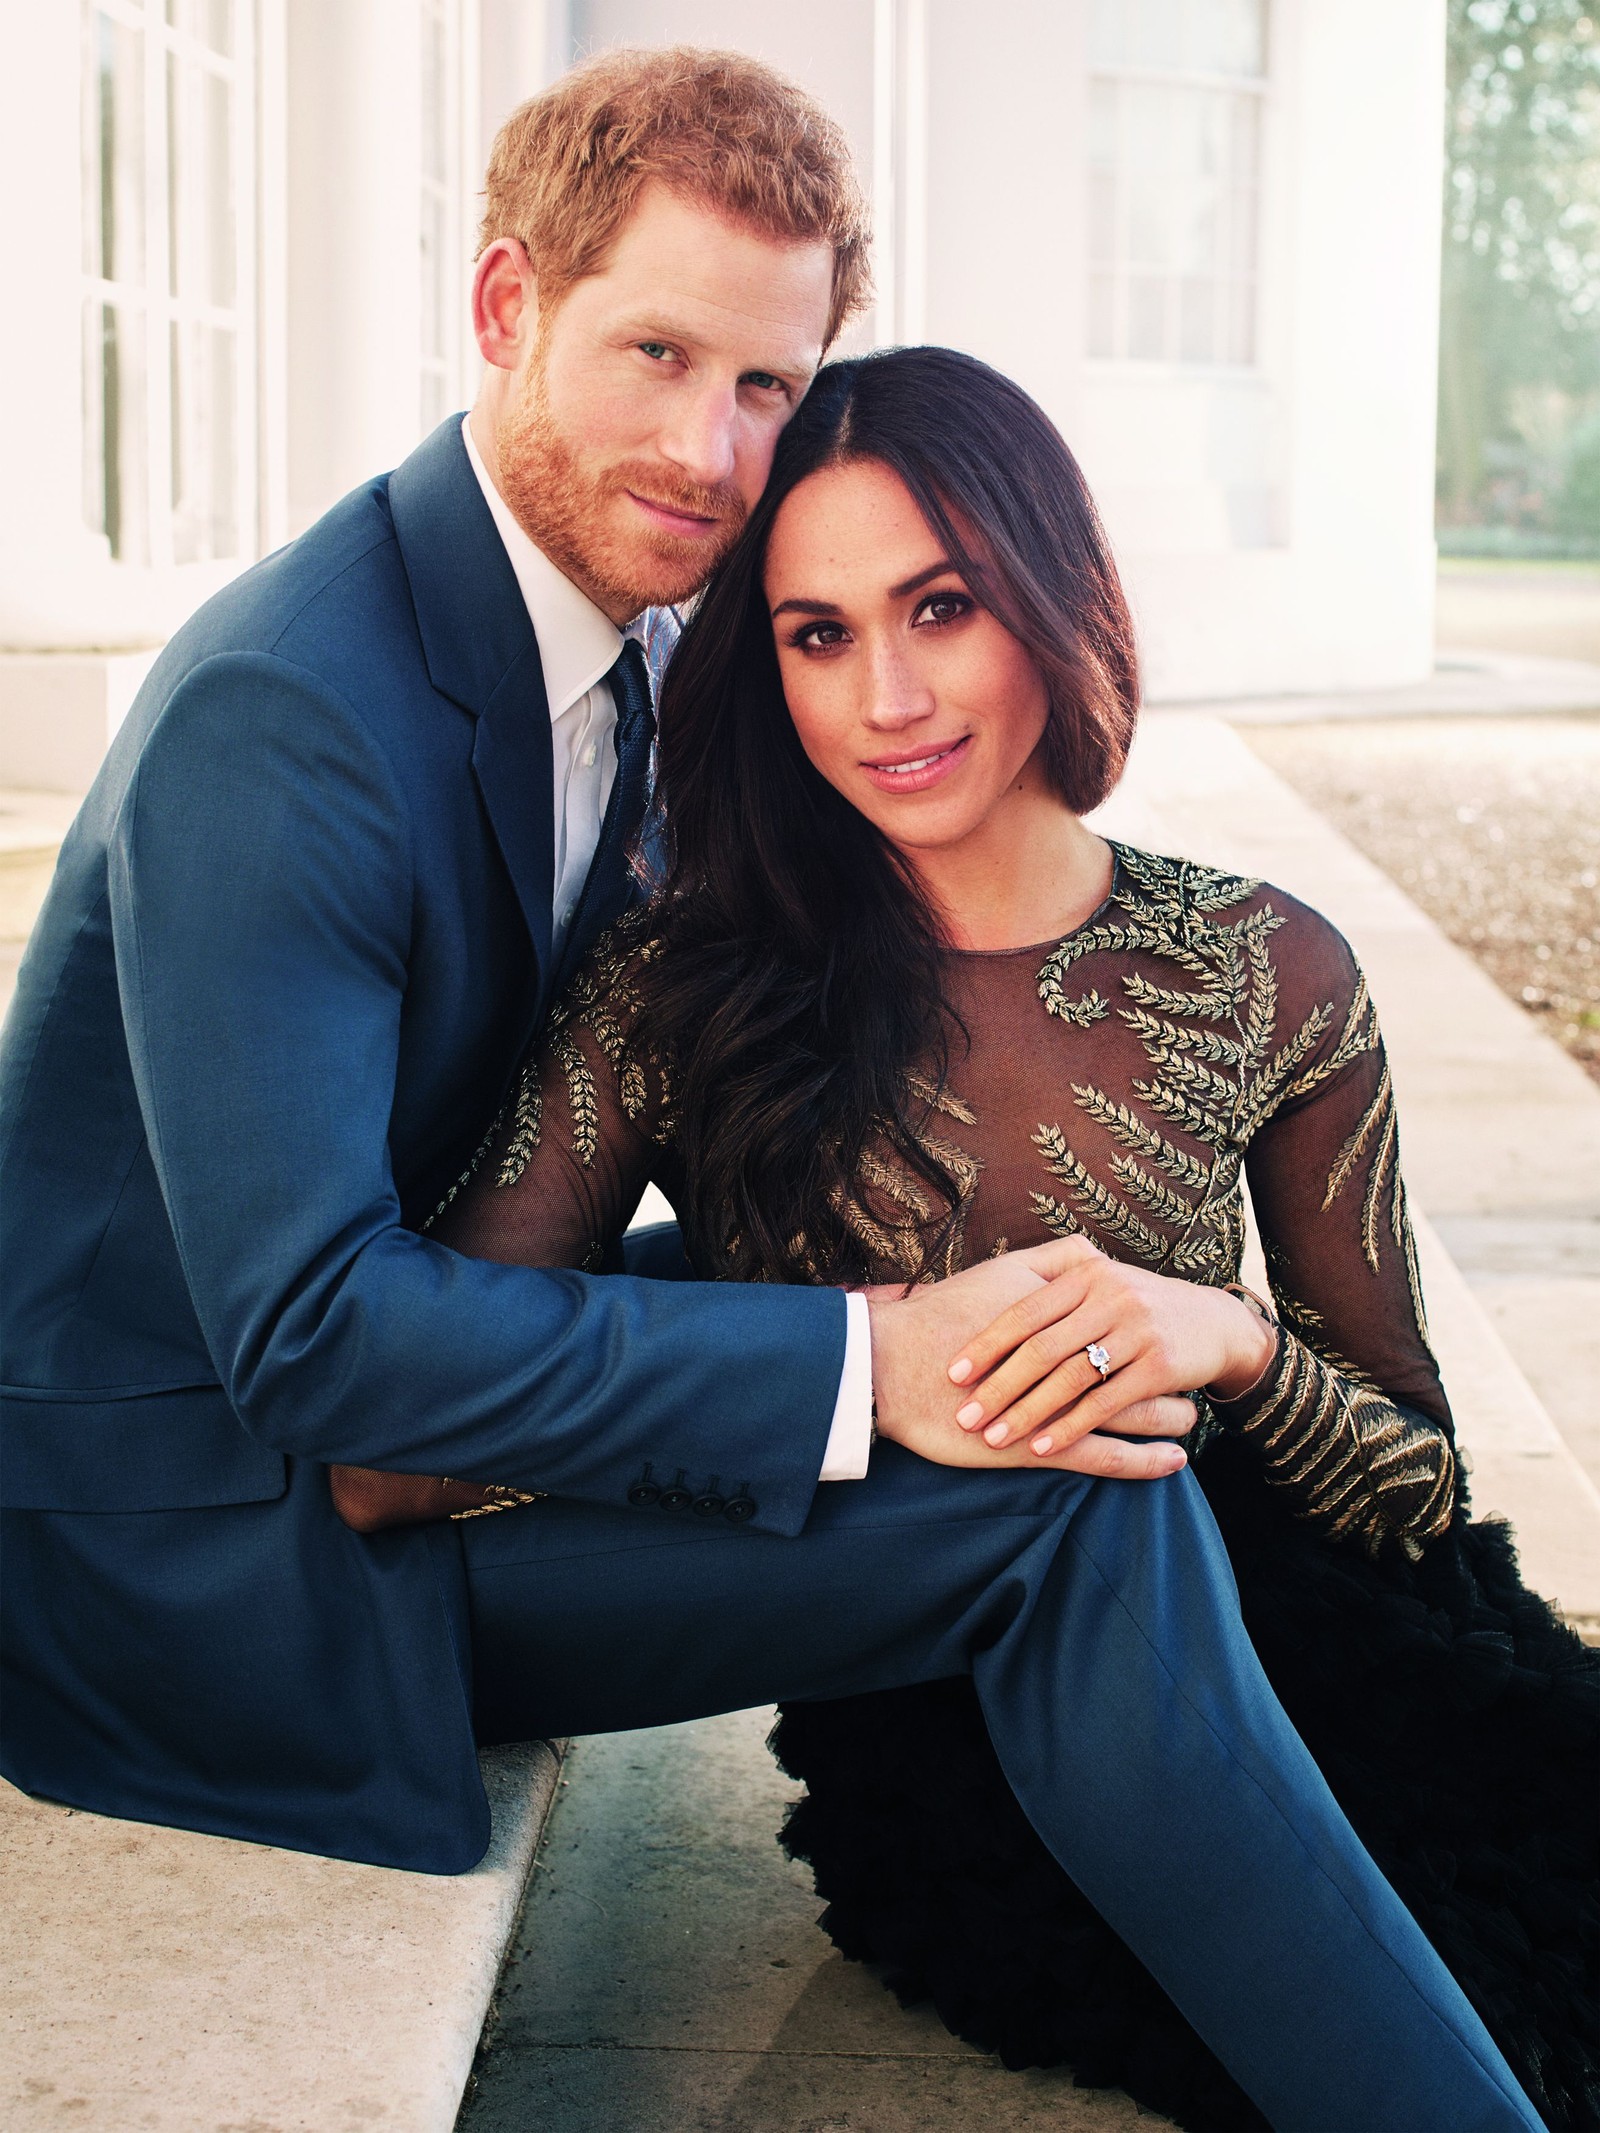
column 567, row 167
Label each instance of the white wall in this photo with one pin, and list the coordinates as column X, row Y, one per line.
column 1274, row 524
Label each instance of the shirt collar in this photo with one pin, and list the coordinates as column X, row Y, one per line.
column 578, row 645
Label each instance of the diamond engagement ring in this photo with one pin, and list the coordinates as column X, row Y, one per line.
column 1100, row 1359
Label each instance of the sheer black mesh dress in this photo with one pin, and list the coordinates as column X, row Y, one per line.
column 1197, row 1031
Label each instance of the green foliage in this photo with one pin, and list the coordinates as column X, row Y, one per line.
column 1578, row 506
column 1520, row 345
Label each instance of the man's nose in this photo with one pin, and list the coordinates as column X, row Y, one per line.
column 701, row 439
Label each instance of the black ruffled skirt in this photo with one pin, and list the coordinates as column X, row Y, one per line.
column 1456, row 1719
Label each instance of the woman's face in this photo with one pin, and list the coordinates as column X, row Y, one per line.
column 908, row 697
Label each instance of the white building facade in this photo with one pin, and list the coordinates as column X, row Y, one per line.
column 238, row 235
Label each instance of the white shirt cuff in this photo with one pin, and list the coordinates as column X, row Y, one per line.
column 850, row 1439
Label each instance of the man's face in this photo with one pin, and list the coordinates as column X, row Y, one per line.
column 639, row 429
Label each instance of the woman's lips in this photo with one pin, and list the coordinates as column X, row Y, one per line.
column 687, row 525
column 919, row 772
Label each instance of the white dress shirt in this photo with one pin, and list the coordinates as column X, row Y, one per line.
column 578, row 647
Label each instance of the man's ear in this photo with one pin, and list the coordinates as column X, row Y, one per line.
column 505, row 304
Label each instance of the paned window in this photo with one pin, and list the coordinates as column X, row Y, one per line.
column 1176, row 95
column 442, row 208
column 168, row 276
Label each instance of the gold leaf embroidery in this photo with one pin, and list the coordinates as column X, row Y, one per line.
column 1109, row 1214
column 1090, row 1008
column 581, row 1095
column 1127, row 1127
column 527, row 1107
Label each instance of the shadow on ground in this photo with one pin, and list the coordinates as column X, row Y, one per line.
column 668, row 1975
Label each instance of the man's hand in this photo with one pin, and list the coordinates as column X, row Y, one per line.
column 915, row 1334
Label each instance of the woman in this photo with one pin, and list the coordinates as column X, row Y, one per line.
column 895, row 1007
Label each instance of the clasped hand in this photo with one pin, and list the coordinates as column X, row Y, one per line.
column 991, row 1367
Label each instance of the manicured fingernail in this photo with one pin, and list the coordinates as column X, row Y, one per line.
column 1042, row 1445
column 995, row 1433
column 970, row 1415
column 961, row 1369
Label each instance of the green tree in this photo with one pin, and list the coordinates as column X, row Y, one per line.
column 1520, row 323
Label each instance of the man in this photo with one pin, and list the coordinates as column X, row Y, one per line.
column 371, row 806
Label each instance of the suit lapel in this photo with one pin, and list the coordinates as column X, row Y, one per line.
column 481, row 653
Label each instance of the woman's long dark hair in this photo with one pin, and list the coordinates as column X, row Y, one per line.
column 802, row 980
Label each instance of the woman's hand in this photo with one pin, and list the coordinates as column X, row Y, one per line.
column 914, row 1330
column 1029, row 1373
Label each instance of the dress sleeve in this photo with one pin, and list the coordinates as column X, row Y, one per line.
column 1350, row 1420
column 587, row 1125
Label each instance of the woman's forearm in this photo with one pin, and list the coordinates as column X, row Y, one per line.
column 1352, row 1461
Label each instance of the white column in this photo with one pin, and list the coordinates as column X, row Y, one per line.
column 354, row 236
column 522, row 46
column 1365, row 297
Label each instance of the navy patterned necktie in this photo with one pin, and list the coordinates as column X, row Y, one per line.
column 629, row 682
column 605, row 887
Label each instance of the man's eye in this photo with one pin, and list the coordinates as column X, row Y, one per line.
column 658, row 350
column 765, row 381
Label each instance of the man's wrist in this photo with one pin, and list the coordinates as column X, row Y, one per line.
column 851, row 1433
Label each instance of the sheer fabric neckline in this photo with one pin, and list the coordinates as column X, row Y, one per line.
column 1046, row 947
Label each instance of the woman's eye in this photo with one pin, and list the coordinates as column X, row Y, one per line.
column 943, row 607
column 818, row 636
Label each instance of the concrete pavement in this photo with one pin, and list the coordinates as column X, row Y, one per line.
column 669, row 1976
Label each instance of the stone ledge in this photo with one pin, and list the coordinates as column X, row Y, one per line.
column 155, row 1979
column 1463, row 683
column 32, row 825
column 59, row 712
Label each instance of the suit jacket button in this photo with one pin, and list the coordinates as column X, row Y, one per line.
column 674, row 1499
column 707, row 1506
column 738, row 1508
column 643, row 1492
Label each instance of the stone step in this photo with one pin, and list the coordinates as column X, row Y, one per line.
column 158, row 1979
column 669, row 1973
column 32, row 825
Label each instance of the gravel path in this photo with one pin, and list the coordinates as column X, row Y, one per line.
column 1492, row 825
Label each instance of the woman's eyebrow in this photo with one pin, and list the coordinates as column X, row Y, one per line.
column 805, row 607
column 911, row 585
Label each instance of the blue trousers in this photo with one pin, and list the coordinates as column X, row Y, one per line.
column 1100, row 1624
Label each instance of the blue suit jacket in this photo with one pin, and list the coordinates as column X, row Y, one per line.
column 298, row 937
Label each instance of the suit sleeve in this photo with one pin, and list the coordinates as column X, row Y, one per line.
column 589, row 1123
column 262, row 901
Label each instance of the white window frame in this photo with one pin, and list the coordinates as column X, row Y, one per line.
column 444, row 204
column 1122, row 266
column 149, row 303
